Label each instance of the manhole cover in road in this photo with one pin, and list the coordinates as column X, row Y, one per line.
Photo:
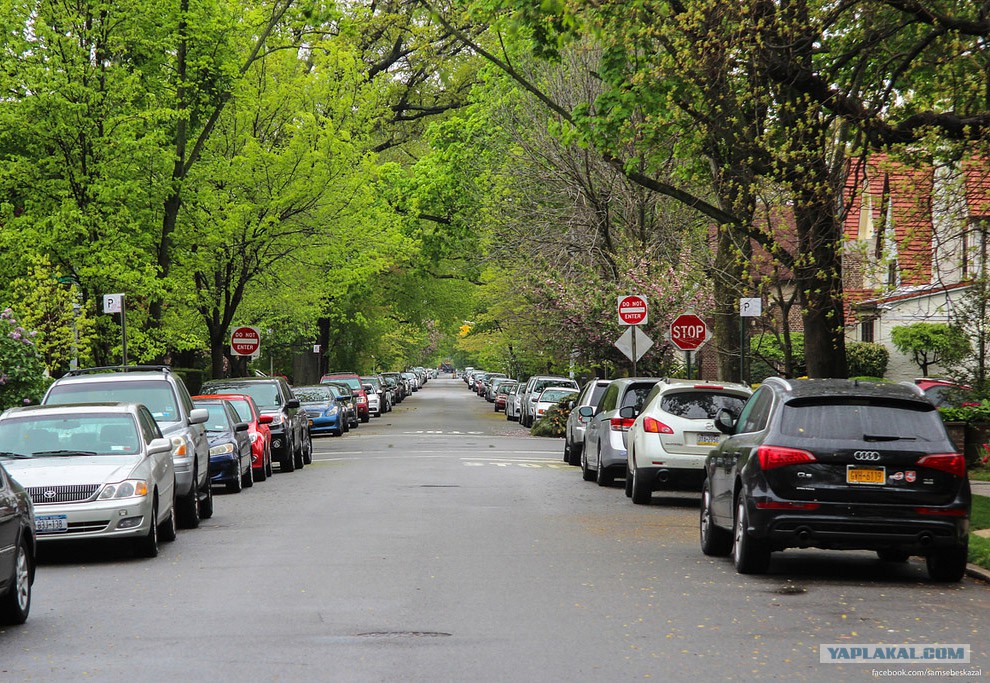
column 404, row 634
column 789, row 590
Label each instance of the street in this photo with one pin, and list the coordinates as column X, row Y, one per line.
column 442, row 543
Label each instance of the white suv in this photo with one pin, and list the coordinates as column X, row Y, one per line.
column 166, row 396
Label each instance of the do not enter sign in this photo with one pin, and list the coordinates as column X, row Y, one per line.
column 688, row 332
column 245, row 341
column 632, row 310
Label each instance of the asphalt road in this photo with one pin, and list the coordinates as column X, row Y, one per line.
column 442, row 543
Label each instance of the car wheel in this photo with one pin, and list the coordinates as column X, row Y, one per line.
column 147, row 545
column 893, row 555
column 641, row 491
column 206, row 502
column 300, row 460
column 629, row 483
column 169, row 528
column 575, row 458
column 603, row 476
column 948, row 565
column 189, row 515
column 269, row 470
column 260, row 473
column 15, row 605
column 236, row 483
column 247, row 479
column 750, row 555
column 567, row 450
column 308, row 450
column 715, row 541
column 586, row 473
column 365, row 418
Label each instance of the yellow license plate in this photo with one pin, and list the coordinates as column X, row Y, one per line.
column 866, row 475
column 708, row 439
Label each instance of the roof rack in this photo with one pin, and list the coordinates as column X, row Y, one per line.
column 119, row 368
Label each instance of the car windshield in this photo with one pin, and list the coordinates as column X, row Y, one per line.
column 265, row 394
column 554, row 395
column 155, row 394
column 243, row 409
column 313, row 394
column 700, row 405
column 218, row 420
column 506, row 387
column 862, row 420
column 82, row 434
column 541, row 384
column 352, row 382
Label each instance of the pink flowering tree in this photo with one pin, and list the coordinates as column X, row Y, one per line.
column 22, row 372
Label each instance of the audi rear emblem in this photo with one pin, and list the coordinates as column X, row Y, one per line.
column 867, row 455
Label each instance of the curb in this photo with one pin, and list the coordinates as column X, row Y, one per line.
column 977, row 572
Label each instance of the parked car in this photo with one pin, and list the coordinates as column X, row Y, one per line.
column 258, row 432
column 394, row 382
column 168, row 399
column 502, row 393
column 346, row 398
column 357, row 389
column 534, row 385
column 670, row 439
column 513, row 402
column 327, row 414
column 550, row 397
column 604, row 452
column 943, row 392
column 837, row 464
column 485, row 384
column 291, row 443
column 590, row 394
column 381, row 391
column 412, row 380
column 93, row 471
column 493, row 385
column 17, row 547
column 230, row 445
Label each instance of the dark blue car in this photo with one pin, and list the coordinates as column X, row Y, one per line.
column 230, row 444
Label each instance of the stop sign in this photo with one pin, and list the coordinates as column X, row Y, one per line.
column 688, row 332
column 245, row 341
column 632, row 310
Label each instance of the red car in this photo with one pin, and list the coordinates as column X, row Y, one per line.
column 261, row 436
column 943, row 392
column 353, row 380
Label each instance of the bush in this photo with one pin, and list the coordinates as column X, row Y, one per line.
column 22, row 371
column 766, row 357
column 867, row 359
column 554, row 422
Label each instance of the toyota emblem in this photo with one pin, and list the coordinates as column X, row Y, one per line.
column 49, row 494
column 870, row 456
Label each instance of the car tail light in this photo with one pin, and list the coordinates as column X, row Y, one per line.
column 620, row 424
column 654, row 426
column 953, row 463
column 775, row 456
column 786, row 505
column 942, row 512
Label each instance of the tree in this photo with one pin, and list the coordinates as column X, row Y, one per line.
column 931, row 344
column 22, row 372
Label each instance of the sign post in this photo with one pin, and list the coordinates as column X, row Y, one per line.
column 633, row 311
column 245, row 341
column 688, row 333
column 114, row 303
column 749, row 307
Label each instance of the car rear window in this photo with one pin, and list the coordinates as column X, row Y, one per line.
column 700, row 405
column 862, row 420
column 265, row 394
column 554, row 395
column 313, row 394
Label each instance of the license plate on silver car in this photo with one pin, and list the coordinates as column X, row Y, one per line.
column 51, row 524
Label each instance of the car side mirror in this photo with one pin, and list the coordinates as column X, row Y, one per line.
column 265, row 419
column 628, row 413
column 292, row 403
column 725, row 422
column 586, row 411
column 160, row 446
column 241, row 427
column 198, row 416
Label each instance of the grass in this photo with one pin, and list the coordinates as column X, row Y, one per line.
column 979, row 548
column 980, row 473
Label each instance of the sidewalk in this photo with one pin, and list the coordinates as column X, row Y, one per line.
column 980, row 488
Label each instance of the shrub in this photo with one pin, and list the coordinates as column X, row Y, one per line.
column 554, row 422
column 766, row 357
column 867, row 359
column 22, row 371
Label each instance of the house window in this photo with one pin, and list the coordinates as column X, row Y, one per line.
column 893, row 274
column 866, row 330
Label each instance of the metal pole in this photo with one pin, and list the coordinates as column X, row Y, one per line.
column 687, row 356
column 633, row 329
column 742, row 348
column 123, row 327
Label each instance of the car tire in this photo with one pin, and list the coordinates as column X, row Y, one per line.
column 949, row 564
column 893, row 555
column 308, row 449
column 365, row 418
column 169, row 529
column 586, row 473
column 16, row 604
column 715, row 541
column 147, row 545
column 640, row 491
column 750, row 555
column 269, row 470
column 236, row 483
column 247, row 479
column 206, row 502
column 575, row 457
column 298, row 457
column 260, row 473
column 602, row 475
column 189, row 515
column 567, row 450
